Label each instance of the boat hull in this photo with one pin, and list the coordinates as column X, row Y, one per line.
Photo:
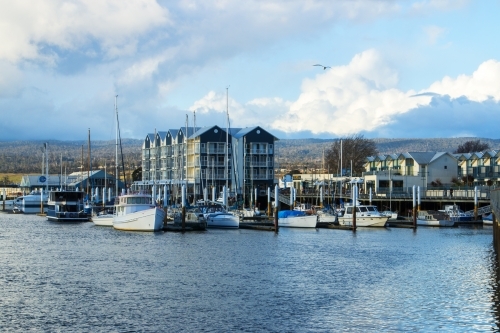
column 103, row 220
column 223, row 221
column 308, row 221
column 365, row 221
column 435, row 223
column 143, row 220
column 54, row 216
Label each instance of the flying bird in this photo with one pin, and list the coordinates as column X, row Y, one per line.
column 324, row 67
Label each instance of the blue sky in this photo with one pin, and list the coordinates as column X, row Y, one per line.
column 399, row 69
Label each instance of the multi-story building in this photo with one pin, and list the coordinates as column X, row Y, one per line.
column 209, row 158
column 431, row 170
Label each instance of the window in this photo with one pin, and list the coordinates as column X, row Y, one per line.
column 446, row 167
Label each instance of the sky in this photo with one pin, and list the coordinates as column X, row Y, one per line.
column 395, row 69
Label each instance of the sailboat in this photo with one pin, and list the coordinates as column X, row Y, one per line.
column 217, row 215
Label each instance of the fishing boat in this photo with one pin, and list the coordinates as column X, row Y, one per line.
column 434, row 218
column 137, row 212
column 366, row 216
column 66, row 206
column 296, row 219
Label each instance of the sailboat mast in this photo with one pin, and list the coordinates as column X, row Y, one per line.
column 116, row 147
column 227, row 138
column 88, row 169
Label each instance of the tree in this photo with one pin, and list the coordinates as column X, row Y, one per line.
column 472, row 146
column 355, row 148
column 137, row 174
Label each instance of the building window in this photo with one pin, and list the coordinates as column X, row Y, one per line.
column 446, row 167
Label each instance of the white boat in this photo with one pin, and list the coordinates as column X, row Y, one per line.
column 456, row 214
column 103, row 219
column 433, row 218
column 327, row 216
column 137, row 212
column 296, row 219
column 217, row 217
column 66, row 206
column 392, row 215
column 366, row 216
column 31, row 203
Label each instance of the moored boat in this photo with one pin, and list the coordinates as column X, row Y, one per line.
column 296, row 219
column 137, row 212
column 66, row 206
column 366, row 216
column 31, row 203
column 433, row 218
column 216, row 216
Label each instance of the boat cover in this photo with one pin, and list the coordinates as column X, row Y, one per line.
column 290, row 213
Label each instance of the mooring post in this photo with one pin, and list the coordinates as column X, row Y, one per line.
column 414, row 208
column 183, row 199
column 475, row 203
column 3, row 196
column 354, row 199
column 268, row 201
column 276, row 208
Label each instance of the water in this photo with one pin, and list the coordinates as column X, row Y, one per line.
column 83, row 278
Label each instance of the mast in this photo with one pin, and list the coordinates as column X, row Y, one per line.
column 88, row 169
column 227, row 141
column 116, row 147
column 47, row 166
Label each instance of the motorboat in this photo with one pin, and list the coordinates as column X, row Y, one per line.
column 103, row 219
column 31, row 203
column 137, row 212
column 434, row 218
column 456, row 214
column 216, row 216
column 296, row 219
column 66, row 206
column 366, row 216
column 392, row 215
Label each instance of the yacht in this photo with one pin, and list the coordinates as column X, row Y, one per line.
column 31, row 203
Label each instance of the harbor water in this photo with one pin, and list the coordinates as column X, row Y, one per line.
column 83, row 278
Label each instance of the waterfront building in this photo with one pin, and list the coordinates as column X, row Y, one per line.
column 431, row 170
column 94, row 179
column 209, row 157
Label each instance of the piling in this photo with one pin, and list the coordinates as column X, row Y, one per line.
column 183, row 218
column 355, row 198
column 3, row 204
column 414, row 209
column 276, row 227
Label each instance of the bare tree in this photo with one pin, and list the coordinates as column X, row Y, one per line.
column 355, row 148
column 472, row 146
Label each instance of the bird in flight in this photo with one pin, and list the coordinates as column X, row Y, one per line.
column 324, row 67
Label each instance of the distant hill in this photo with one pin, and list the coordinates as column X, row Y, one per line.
column 26, row 156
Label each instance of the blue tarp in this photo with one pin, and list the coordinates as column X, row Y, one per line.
column 288, row 213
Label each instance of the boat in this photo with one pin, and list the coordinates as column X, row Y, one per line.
column 296, row 219
column 103, row 218
column 390, row 214
column 66, row 206
column 30, row 203
column 137, row 212
column 216, row 216
column 456, row 214
column 434, row 218
column 488, row 219
column 366, row 216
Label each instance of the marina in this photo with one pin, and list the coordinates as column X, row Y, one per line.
column 64, row 276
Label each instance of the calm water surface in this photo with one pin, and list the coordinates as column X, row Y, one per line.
column 83, row 278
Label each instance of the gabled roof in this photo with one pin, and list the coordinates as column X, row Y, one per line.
column 244, row 131
column 202, row 130
column 419, row 157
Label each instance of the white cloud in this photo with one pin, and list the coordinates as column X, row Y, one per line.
column 433, row 33
column 361, row 96
column 482, row 85
column 28, row 29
